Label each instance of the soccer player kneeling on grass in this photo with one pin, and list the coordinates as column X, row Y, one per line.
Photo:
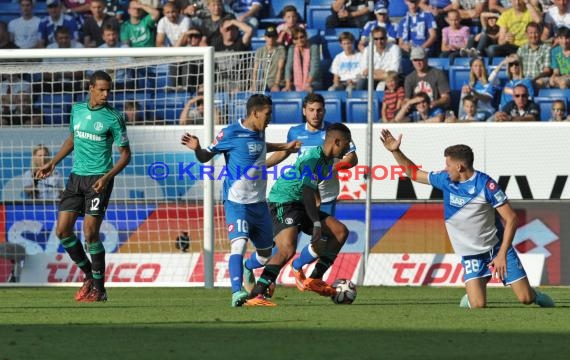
column 470, row 200
column 94, row 126
column 294, row 205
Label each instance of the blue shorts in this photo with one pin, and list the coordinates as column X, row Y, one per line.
column 251, row 221
column 477, row 266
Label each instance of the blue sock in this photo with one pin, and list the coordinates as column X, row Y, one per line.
column 236, row 271
column 307, row 256
column 252, row 262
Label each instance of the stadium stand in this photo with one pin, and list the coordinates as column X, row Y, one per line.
column 275, row 7
column 317, row 16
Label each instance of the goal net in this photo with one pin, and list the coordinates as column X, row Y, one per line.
column 165, row 223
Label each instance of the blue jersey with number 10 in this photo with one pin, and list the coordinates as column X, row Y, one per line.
column 244, row 151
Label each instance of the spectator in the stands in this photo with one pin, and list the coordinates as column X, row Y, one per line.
column 290, row 21
column 382, row 20
column 428, row 80
column 518, row 109
column 236, row 36
column 470, row 10
column 387, row 57
column 302, row 68
column 16, row 101
column 247, row 11
column 469, row 110
column 24, row 30
column 560, row 60
column 558, row 111
column 349, row 13
column 512, row 24
column 135, row 113
column 535, row 57
column 514, row 67
column 480, row 88
column 346, row 64
column 80, row 8
column 138, row 31
column 489, row 35
column 555, row 17
column 58, row 80
column 210, row 23
column 172, row 26
column 454, row 37
column 269, row 64
column 193, row 112
column 418, row 109
column 93, row 26
column 394, row 95
column 50, row 188
column 5, row 42
column 56, row 18
column 417, row 29
column 123, row 73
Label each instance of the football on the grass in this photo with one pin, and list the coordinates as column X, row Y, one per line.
column 345, row 291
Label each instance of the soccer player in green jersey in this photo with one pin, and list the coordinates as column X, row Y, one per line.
column 94, row 127
column 294, row 204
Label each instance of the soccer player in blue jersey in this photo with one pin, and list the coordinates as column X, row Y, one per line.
column 471, row 199
column 312, row 134
column 247, row 215
column 94, row 125
column 294, row 204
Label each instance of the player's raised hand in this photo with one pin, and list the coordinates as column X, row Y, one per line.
column 293, row 146
column 190, row 141
column 389, row 141
column 45, row 171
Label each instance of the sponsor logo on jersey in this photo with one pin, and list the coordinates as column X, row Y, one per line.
column 230, row 228
column 98, row 126
column 288, row 221
column 491, row 185
column 458, row 201
column 471, row 190
column 500, row 196
column 255, row 148
column 88, row 136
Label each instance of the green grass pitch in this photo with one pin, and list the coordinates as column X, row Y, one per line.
column 195, row 323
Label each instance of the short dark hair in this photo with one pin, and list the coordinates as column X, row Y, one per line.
column 313, row 98
column 462, row 153
column 99, row 75
column 257, row 101
column 563, row 31
column 341, row 128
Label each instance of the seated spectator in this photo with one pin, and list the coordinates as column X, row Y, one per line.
column 5, row 42
column 418, row 109
column 302, row 68
column 519, row 109
column 247, row 11
column 56, row 17
column 480, row 88
column 93, row 26
column 428, row 80
column 560, row 60
column 535, row 57
column 193, row 112
column 285, row 29
column 394, row 96
column 349, row 13
column 559, row 111
column 24, row 30
column 346, row 65
column 416, row 29
column 236, row 36
column 470, row 112
column 488, row 36
column 269, row 64
column 512, row 32
column 138, row 31
column 16, row 102
column 59, row 81
column 469, row 10
column 515, row 77
column 382, row 20
column 210, row 23
column 171, row 27
column 121, row 75
column 555, row 17
column 454, row 37
column 387, row 57
column 191, row 38
column 135, row 116
column 79, row 8
column 50, row 188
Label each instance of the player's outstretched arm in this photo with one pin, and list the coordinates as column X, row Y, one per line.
column 192, row 143
column 393, row 145
column 281, row 151
column 48, row 168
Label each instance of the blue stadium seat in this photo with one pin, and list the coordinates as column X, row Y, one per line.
column 363, row 94
column 280, row 95
column 461, row 61
column 331, row 47
column 257, row 42
column 333, row 109
column 545, row 104
column 326, row 75
column 555, row 93
column 440, row 63
column 458, row 76
column 274, row 15
column 357, row 110
column 397, row 8
column 287, row 111
column 320, row 2
column 339, row 94
column 335, row 32
column 497, row 60
column 317, row 16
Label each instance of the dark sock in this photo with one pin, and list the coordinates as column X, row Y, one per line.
column 77, row 254
column 97, row 252
column 321, row 267
column 268, row 277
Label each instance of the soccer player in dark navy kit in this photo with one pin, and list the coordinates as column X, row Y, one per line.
column 94, row 127
column 471, row 199
column 247, row 215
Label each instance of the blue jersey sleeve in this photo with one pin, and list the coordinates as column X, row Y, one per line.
column 438, row 179
column 222, row 142
column 493, row 193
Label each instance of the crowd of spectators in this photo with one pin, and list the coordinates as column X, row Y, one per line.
column 528, row 39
